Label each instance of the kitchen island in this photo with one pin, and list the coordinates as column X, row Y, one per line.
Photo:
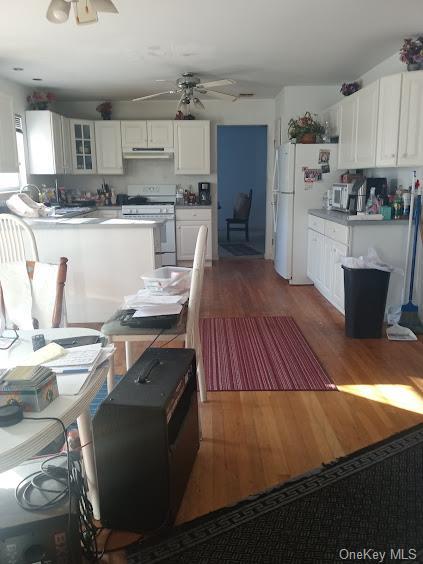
column 332, row 236
column 106, row 259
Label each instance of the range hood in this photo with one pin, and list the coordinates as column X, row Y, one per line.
column 148, row 153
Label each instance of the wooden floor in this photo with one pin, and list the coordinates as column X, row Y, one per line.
column 252, row 440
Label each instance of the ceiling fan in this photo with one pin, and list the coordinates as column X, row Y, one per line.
column 86, row 11
column 189, row 86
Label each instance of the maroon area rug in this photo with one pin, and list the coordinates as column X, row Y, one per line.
column 259, row 354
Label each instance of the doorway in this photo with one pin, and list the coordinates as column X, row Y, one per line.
column 241, row 168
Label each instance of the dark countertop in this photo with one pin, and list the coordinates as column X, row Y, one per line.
column 343, row 218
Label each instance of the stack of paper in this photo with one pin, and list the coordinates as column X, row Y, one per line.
column 143, row 298
column 75, row 368
column 26, row 377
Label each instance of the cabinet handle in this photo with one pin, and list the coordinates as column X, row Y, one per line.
column 393, row 155
column 404, row 155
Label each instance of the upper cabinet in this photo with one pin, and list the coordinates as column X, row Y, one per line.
column 45, row 142
column 367, row 112
column 141, row 134
column 134, row 135
column 83, row 146
column 348, row 132
column 192, row 147
column 108, row 144
column 410, row 145
column 358, row 128
column 388, row 120
column 160, row 134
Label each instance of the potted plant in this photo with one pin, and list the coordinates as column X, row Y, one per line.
column 349, row 88
column 105, row 109
column 305, row 128
column 411, row 52
column 40, row 100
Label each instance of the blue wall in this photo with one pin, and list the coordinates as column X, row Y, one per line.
column 241, row 166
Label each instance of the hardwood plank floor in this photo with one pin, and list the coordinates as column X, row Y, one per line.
column 253, row 440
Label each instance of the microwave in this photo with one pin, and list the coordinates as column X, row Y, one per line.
column 340, row 196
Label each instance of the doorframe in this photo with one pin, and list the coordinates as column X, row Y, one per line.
column 268, row 248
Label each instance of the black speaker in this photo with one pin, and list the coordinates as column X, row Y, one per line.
column 146, row 437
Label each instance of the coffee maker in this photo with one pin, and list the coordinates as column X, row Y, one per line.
column 204, row 196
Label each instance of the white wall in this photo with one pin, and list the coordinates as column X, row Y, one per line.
column 242, row 112
column 294, row 101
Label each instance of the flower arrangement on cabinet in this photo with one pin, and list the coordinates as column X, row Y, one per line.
column 411, row 52
column 105, row 109
column 305, row 129
column 349, row 88
column 40, row 100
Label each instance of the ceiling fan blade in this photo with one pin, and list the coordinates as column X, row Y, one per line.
column 85, row 13
column 213, row 83
column 105, row 6
column 153, row 95
column 215, row 94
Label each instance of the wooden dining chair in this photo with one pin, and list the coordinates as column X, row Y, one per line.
column 187, row 330
column 241, row 215
column 57, row 310
column 17, row 241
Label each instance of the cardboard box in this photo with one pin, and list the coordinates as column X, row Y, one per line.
column 31, row 400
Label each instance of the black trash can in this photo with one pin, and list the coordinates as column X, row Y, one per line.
column 366, row 290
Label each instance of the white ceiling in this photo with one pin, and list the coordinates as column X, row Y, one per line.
column 262, row 44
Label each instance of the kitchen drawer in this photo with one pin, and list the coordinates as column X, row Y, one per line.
column 336, row 231
column 316, row 223
column 193, row 214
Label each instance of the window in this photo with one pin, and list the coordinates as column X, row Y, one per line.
column 11, row 180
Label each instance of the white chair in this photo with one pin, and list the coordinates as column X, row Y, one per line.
column 190, row 334
column 17, row 241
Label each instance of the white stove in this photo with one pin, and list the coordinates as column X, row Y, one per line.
column 159, row 205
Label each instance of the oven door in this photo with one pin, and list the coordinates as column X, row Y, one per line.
column 167, row 246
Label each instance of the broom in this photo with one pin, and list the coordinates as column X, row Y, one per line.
column 409, row 311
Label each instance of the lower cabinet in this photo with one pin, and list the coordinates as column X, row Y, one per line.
column 188, row 223
column 324, row 256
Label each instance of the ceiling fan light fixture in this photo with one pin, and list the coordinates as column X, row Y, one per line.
column 85, row 13
column 198, row 103
column 58, row 11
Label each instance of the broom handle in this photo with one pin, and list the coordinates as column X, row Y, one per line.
column 407, row 253
column 416, row 233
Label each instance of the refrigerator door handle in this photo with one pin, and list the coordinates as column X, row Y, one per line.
column 275, row 210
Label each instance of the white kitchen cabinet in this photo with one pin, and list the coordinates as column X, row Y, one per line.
column 338, row 252
column 315, row 256
column 45, row 142
column 67, row 148
column 388, row 120
column 8, row 145
column 108, row 144
column 188, row 223
column 192, row 146
column 348, row 132
column 83, row 146
column 160, row 134
column 358, row 129
column 410, row 146
column 151, row 134
column 367, row 114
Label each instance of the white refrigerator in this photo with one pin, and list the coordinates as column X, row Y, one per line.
column 295, row 192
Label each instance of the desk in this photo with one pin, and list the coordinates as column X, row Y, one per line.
column 20, row 442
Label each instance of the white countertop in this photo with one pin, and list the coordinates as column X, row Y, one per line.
column 342, row 218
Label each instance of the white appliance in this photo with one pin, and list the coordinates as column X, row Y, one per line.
column 293, row 197
column 340, row 196
column 159, row 205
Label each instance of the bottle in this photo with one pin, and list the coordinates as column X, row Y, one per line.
column 326, row 134
column 406, row 201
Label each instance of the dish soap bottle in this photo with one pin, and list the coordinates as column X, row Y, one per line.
column 371, row 206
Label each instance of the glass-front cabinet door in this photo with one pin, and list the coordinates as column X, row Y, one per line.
column 83, row 146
